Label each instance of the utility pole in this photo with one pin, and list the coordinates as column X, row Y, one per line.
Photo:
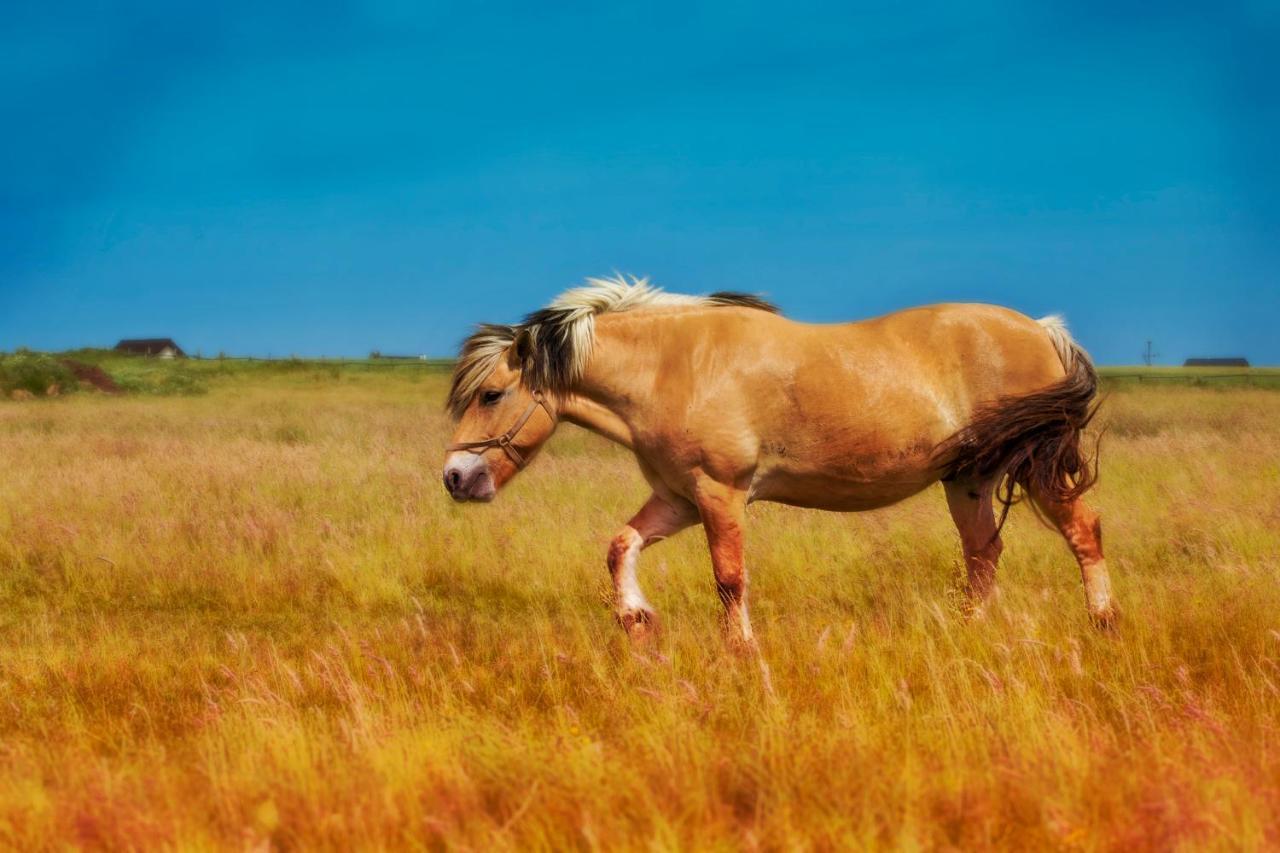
column 1149, row 355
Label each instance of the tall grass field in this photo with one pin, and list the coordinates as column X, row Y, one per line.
column 245, row 614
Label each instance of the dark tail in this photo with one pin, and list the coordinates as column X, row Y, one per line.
column 1032, row 441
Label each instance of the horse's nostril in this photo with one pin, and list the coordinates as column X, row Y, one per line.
column 452, row 480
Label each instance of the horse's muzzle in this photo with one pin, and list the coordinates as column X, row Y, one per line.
column 468, row 479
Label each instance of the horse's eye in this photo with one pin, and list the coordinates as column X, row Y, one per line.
column 488, row 398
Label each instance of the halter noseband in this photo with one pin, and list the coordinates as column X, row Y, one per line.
column 504, row 440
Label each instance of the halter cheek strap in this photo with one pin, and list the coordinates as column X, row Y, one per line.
column 504, row 440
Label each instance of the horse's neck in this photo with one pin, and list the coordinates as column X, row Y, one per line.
column 587, row 413
column 604, row 399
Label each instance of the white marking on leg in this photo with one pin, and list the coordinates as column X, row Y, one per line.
column 744, row 620
column 1097, row 586
column 625, row 581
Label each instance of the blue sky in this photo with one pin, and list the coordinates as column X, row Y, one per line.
column 331, row 178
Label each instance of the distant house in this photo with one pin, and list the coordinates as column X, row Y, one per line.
column 159, row 347
column 1230, row 361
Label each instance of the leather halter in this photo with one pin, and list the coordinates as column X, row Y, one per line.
column 504, row 440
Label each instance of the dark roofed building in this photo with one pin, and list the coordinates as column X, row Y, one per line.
column 1229, row 361
column 161, row 347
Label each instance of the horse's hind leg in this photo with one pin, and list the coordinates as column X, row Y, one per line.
column 657, row 519
column 970, row 505
column 1082, row 528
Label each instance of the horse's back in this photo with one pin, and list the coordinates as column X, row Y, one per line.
column 954, row 353
column 984, row 351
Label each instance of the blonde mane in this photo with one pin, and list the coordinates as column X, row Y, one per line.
column 560, row 337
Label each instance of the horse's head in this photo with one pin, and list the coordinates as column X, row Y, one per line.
column 501, row 423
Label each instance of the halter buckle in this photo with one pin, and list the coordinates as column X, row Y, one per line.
column 505, row 440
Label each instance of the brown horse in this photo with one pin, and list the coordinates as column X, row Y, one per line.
column 725, row 402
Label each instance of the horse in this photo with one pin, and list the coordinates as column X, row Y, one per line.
column 724, row 402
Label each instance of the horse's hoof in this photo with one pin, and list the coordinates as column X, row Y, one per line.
column 1107, row 621
column 742, row 646
column 979, row 605
column 641, row 626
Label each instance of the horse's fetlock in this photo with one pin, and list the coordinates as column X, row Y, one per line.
column 738, row 634
column 729, row 589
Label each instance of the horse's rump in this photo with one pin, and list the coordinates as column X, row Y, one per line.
column 1032, row 441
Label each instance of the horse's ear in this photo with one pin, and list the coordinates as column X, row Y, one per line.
column 521, row 352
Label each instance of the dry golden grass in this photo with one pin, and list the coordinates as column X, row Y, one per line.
column 254, row 617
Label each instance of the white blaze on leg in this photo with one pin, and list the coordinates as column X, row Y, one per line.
column 744, row 622
column 624, row 555
column 1097, row 587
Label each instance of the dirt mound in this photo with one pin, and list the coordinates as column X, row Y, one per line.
column 92, row 374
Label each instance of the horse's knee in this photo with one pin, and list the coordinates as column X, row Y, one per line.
column 620, row 548
column 617, row 551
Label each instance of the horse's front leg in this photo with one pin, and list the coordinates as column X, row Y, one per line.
column 723, row 510
column 659, row 518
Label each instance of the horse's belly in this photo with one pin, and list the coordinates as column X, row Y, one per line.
column 834, row 492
